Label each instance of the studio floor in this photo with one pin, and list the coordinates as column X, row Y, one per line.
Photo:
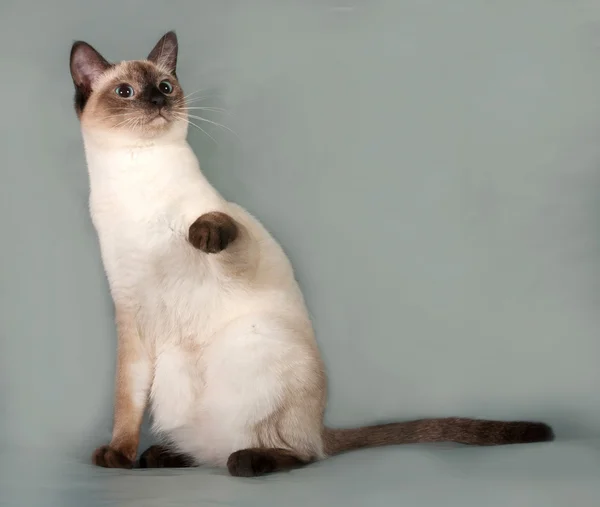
column 561, row 474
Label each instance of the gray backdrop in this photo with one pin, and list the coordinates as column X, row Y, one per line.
column 432, row 168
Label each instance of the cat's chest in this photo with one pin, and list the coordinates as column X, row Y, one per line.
column 142, row 250
column 127, row 226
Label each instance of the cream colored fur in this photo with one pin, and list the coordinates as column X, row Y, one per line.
column 225, row 351
column 220, row 346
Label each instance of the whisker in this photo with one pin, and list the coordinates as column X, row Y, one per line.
column 214, row 123
column 201, row 98
column 116, row 116
column 125, row 123
column 118, row 124
column 210, row 108
column 181, row 117
column 123, row 113
column 193, row 93
column 127, row 117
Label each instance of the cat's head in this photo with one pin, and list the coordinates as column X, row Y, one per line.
column 142, row 98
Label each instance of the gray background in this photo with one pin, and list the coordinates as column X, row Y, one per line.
column 433, row 170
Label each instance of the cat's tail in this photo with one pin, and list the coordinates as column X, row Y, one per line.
column 451, row 429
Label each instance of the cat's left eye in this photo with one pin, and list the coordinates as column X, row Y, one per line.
column 165, row 87
column 124, row 91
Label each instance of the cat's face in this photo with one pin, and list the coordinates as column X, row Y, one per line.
column 142, row 97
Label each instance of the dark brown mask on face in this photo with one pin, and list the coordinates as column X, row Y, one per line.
column 140, row 96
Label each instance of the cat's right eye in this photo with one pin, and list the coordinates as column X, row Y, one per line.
column 124, row 91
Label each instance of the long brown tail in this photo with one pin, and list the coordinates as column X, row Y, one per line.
column 451, row 429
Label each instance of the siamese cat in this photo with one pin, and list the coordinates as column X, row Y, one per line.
column 213, row 332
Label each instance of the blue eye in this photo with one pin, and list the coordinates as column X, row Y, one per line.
column 124, row 91
column 165, row 87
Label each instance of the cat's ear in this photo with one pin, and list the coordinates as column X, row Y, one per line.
column 86, row 66
column 164, row 53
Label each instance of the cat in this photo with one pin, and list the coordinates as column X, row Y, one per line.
column 213, row 331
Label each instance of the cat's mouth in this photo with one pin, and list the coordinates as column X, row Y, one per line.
column 160, row 118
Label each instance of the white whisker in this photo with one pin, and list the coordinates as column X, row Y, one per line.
column 210, row 108
column 128, row 118
column 201, row 98
column 127, row 123
column 181, row 117
column 193, row 93
column 120, row 115
column 214, row 123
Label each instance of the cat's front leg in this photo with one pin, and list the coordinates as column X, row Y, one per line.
column 133, row 380
column 213, row 232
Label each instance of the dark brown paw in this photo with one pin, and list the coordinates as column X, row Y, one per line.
column 108, row 457
column 251, row 463
column 213, row 232
column 158, row 456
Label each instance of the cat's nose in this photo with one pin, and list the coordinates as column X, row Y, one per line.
column 157, row 98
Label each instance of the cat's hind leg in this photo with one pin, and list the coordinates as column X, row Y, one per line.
column 261, row 461
column 159, row 456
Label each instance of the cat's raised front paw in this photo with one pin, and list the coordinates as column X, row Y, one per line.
column 108, row 457
column 213, row 232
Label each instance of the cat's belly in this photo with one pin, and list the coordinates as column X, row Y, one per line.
column 209, row 401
